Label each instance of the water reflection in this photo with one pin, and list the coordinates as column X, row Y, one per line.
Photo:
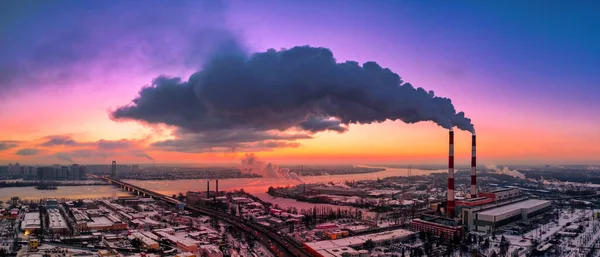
column 260, row 185
column 67, row 192
column 256, row 186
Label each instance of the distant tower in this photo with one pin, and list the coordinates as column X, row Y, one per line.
column 113, row 170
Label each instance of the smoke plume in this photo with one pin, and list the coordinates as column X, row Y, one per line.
column 143, row 155
column 251, row 164
column 300, row 89
column 286, row 173
column 505, row 171
column 64, row 156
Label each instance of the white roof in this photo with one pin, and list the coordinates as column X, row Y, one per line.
column 513, row 207
column 56, row 219
column 99, row 222
column 31, row 220
column 358, row 240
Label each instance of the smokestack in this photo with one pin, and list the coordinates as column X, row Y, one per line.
column 207, row 188
column 450, row 202
column 216, row 188
column 473, row 169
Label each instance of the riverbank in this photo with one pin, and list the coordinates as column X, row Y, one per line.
column 50, row 184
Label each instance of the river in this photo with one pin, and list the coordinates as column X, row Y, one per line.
column 255, row 186
column 68, row 192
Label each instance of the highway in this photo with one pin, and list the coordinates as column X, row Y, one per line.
column 279, row 245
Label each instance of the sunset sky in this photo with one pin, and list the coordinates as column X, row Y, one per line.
column 524, row 72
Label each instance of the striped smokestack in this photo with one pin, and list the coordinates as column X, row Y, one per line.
column 473, row 169
column 450, row 202
column 216, row 189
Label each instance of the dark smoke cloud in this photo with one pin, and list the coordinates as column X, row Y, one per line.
column 28, row 151
column 314, row 124
column 302, row 88
column 5, row 145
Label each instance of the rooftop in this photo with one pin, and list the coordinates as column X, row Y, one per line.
column 498, row 190
column 56, row 219
column 31, row 220
column 100, row 222
column 357, row 240
column 513, row 207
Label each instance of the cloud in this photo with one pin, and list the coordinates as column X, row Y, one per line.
column 98, row 149
column 145, row 37
column 28, row 151
column 112, row 145
column 229, row 140
column 314, row 124
column 59, row 140
column 5, row 145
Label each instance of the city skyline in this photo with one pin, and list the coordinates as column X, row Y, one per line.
column 529, row 90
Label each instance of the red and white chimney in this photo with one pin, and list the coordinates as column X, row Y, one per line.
column 473, row 169
column 450, row 203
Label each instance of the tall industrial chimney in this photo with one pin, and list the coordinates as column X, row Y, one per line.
column 473, row 169
column 207, row 189
column 216, row 188
column 450, row 203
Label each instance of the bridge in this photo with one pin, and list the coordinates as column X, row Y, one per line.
column 279, row 245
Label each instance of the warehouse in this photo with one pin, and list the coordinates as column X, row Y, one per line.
column 31, row 222
column 56, row 222
column 493, row 218
column 381, row 238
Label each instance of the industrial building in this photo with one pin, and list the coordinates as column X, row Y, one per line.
column 31, row 222
column 438, row 227
column 502, row 194
column 56, row 222
column 146, row 241
column 328, row 247
column 490, row 219
column 480, row 211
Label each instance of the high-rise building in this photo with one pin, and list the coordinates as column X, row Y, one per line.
column 64, row 173
column 78, row 172
column 113, row 170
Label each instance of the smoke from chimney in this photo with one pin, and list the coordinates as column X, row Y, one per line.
column 64, row 157
column 505, row 171
column 303, row 88
column 251, row 164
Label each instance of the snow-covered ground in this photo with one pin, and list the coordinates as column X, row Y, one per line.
column 522, row 244
column 580, row 244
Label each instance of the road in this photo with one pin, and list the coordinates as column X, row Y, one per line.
column 279, row 245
